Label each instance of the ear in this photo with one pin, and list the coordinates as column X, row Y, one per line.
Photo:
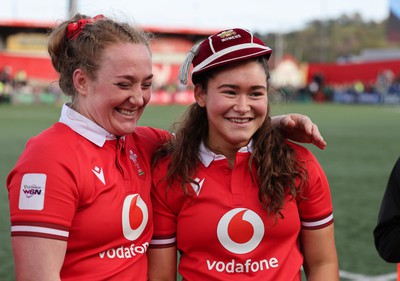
column 200, row 95
column 80, row 81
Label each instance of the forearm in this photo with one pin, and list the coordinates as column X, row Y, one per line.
column 326, row 272
column 320, row 258
column 37, row 258
column 162, row 264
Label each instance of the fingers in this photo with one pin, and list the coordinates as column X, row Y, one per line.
column 317, row 138
column 301, row 128
column 308, row 125
column 311, row 129
column 288, row 122
column 284, row 121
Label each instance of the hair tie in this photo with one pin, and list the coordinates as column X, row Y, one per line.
column 75, row 28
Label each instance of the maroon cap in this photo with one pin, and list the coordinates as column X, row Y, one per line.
column 228, row 46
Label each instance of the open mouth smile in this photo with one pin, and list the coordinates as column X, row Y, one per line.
column 240, row 120
column 125, row 112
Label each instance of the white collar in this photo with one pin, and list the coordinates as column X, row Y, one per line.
column 84, row 126
column 206, row 156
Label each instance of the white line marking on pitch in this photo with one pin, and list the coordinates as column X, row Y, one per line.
column 361, row 277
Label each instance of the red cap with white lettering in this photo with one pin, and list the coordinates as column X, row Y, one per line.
column 225, row 47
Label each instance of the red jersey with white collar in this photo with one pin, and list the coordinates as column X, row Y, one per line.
column 78, row 183
column 224, row 232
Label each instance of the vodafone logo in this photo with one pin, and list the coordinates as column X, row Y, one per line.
column 134, row 216
column 240, row 230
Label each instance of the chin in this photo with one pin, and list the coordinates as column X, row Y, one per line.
column 240, row 142
column 123, row 132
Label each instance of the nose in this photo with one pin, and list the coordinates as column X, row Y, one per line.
column 137, row 98
column 242, row 104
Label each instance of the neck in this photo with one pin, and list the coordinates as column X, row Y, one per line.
column 230, row 154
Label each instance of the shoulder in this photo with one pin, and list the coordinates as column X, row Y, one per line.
column 302, row 153
column 152, row 135
column 55, row 136
column 148, row 139
column 51, row 148
column 396, row 167
column 394, row 180
column 57, row 139
column 395, row 174
column 50, row 139
column 310, row 162
column 160, row 169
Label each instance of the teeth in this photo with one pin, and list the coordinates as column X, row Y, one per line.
column 235, row 120
column 126, row 112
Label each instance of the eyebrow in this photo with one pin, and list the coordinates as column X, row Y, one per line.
column 237, row 87
column 132, row 77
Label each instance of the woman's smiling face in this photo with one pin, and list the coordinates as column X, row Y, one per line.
column 116, row 98
column 236, row 102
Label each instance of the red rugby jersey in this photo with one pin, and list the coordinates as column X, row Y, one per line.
column 78, row 183
column 225, row 233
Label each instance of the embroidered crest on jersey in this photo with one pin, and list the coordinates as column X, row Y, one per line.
column 99, row 174
column 133, row 157
column 135, row 216
column 197, row 187
column 31, row 194
column 240, row 230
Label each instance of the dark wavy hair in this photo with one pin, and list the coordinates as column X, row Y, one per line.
column 278, row 171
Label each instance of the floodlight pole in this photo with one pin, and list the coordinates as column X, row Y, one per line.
column 72, row 8
column 323, row 35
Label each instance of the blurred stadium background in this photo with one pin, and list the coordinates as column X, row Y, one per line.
column 341, row 60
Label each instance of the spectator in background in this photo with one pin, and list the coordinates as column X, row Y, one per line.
column 383, row 81
column 6, row 75
column 21, row 78
column 6, row 84
column 316, row 87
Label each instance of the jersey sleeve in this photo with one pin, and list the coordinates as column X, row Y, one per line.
column 315, row 203
column 42, row 191
column 150, row 138
column 387, row 230
column 167, row 202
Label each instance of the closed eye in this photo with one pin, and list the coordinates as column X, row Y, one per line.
column 123, row 85
column 147, row 85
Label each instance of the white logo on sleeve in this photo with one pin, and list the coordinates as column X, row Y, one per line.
column 99, row 174
column 31, row 194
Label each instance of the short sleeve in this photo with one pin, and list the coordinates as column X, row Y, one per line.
column 42, row 192
column 315, row 203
